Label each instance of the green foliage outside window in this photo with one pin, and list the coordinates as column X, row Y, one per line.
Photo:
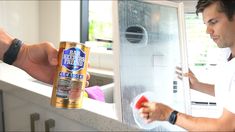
column 100, row 23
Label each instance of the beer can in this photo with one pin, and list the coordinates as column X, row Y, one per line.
column 70, row 79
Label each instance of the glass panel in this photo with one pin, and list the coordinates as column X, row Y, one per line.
column 149, row 53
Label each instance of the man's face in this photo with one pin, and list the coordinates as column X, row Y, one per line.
column 221, row 30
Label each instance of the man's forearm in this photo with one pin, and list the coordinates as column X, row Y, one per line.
column 198, row 123
column 205, row 88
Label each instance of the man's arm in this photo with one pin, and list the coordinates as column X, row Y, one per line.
column 38, row 60
column 152, row 111
column 225, row 123
column 5, row 41
column 204, row 88
column 195, row 83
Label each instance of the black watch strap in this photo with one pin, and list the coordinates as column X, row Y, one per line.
column 11, row 54
column 173, row 117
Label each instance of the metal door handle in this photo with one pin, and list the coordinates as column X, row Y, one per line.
column 50, row 123
column 33, row 117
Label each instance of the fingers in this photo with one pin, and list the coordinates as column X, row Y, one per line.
column 146, row 104
column 87, row 83
column 180, row 73
column 88, row 76
column 145, row 107
column 146, row 113
column 178, row 68
column 149, row 118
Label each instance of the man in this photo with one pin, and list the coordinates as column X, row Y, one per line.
column 38, row 60
column 219, row 17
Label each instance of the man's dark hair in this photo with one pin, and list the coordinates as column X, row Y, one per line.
column 226, row 6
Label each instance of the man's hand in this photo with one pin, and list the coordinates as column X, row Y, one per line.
column 152, row 111
column 193, row 81
column 39, row 61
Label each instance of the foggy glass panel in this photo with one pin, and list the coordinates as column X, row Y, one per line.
column 149, row 53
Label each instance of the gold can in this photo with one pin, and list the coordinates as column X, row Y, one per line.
column 70, row 79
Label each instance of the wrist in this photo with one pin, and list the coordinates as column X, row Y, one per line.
column 5, row 42
column 11, row 54
column 21, row 57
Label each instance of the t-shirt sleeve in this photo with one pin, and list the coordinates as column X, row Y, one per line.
column 229, row 101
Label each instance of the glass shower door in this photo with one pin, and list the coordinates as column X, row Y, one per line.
column 148, row 45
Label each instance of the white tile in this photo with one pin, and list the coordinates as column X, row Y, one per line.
column 106, row 61
column 94, row 60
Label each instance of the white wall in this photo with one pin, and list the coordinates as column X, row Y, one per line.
column 34, row 21
column 20, row 18
column 70, row 21
column 49, row 21
column 31, row 21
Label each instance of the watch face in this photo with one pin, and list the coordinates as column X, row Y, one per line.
column 11, row 54
column 173, row 117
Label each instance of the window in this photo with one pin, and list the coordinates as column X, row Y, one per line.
column 199, row 43
column 97, row 23
column 203, row 54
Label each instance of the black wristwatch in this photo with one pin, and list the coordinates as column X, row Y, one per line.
column 11, row 54
column 173, row 117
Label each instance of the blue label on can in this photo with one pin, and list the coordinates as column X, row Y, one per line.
column 73, row 59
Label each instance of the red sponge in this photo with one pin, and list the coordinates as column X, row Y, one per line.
column 142, row 99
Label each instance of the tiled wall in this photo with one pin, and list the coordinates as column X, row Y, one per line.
column 102, row 60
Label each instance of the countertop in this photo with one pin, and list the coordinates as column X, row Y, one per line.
column 95, row 114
